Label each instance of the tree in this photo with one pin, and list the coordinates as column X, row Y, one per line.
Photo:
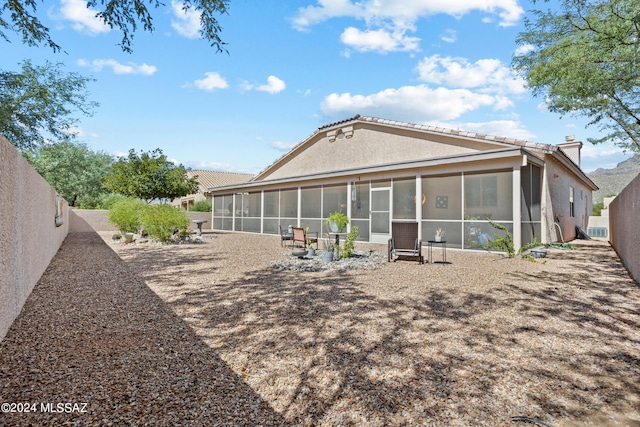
column 122, row 15
column 149, row 176
column 37, row 103
column 74, row 170
column 585, row 60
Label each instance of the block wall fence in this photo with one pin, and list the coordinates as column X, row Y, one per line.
column 29, row 235
column 34, row 221
column 85, row 220
column 624, row 227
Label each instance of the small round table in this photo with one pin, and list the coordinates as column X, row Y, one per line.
column 199, row 223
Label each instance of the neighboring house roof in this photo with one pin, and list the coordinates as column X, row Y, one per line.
column 498, row 143
column 208, row 179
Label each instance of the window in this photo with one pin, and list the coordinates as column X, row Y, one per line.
column 571, row 204
column 404, row 199
column 334, row 199
column 481, row 191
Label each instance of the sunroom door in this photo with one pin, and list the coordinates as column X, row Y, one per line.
column 380, row 215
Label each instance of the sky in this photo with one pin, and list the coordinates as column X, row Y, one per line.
column 293, row 66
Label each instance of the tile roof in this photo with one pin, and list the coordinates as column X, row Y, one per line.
column 446, row 131
column 209, row 179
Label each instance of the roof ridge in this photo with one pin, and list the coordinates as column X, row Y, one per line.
column 216, row 171
column 450, row 131
column 424, row 127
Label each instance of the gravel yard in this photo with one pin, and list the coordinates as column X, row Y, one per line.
column 214, row 334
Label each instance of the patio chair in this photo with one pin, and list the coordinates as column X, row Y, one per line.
column 284, row 236
column 303, row 238
column 405, row 242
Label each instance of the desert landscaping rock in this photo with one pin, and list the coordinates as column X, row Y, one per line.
column 231, row 332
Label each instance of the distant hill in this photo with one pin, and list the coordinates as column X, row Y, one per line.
column 612, row 181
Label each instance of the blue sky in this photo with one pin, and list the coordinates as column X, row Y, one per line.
column 296, row 65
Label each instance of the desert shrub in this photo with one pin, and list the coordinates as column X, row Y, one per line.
column 162, row 221
column 501, row 243
column 109, row 200
column 597, row 209
column 124, row 214
column 349, row 242
column 201, row 206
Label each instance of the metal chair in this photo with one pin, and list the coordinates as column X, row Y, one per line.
column 304, row 238
column 405, row 242
column 284, row 236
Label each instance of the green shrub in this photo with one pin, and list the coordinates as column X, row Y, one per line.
column 349, row 242
column 597, row 209
column 201, row 206
column 501, row 243
column 124, row 214
column 161, row 221
column 109, row 200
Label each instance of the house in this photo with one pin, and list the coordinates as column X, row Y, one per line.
column 377, row 171
column 206, row 180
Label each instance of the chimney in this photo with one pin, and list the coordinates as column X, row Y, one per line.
column 571, row 148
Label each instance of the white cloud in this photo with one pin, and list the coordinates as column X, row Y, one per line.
column 311, row 15
column 605, row 156
column 130, row 68
column 283, row 146
column 506, row 128
column 449, row 36
column 542, row 107
column 489, row 75
column 83, row 18
column 382, row 40
column 211, row 82
column 590, row 151
column 274, row 85
column 524, row 49
column 396, row 17
column 186, row 23
column 420, row 104
column 82, row 133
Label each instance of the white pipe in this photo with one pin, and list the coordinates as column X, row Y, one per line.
column 560, row 230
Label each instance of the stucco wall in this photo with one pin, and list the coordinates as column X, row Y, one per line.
column 29, row 237
column 369, row 147
column 624, row 226
column 83, row 220
column 559, row 179
column 96, row 220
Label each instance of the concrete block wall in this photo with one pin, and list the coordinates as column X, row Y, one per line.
column 624, row 226
column 85, row 220
column 29, row 236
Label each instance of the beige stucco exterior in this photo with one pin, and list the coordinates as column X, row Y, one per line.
column 364, row 145
column 559, row 180
column 29, row 234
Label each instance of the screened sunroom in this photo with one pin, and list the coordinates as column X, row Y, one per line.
column 377, row 171
column 461, row 204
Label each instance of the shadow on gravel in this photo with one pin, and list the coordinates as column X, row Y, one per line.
column 92, row 332
column 320, row 346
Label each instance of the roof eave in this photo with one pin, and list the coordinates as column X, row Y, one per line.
column 435, row 161
column 562, row 157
